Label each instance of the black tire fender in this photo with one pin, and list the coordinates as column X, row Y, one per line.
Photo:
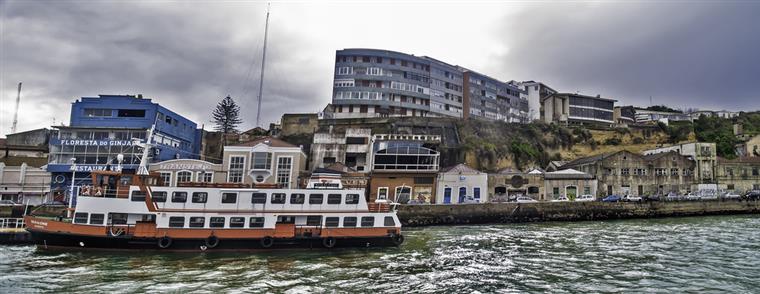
column 164, row 242
column 329, row 242
column 397, row 239
column 267, row 242
column 212, row 241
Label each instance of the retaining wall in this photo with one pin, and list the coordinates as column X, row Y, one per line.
column 445, row 214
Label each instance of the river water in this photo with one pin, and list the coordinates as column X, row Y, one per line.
column 695, row 254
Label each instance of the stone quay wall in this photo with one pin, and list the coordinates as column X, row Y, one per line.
column 452, row 214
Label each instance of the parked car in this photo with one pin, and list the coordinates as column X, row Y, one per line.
column 752, row 195
column 651, row 197
column 585, row 198
column 631, row 198
column 525, row 199
column 673, row 197
column 8, row 203
column 692, row 197
column 561, row 199
column 730, row 195
column 611, row 198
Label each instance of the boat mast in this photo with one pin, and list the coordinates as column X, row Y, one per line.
column 143, row 169
column 263, row 63
column 15, row 113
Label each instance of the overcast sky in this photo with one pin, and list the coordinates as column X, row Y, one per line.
column 188, row 55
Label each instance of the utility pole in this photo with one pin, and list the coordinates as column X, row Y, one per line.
column 263, row 62
column 15, row 113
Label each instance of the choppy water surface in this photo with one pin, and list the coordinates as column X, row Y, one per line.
column 706, row 254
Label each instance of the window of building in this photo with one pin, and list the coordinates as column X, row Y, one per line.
column 229, row 198
column 197, row 222
column 259, row 198
column 349, row 221
column 586, row 190
column 352, row 198
column 97, row 112
column 158, row 196
column 382, row 193
column 314, row 220
column 673, row 171
column 368, row 221
column 555, row 191
column 166, row 178
column 476, row 193
column 389, row 222
column 283, row 171
column 730, row 187
column 131, row 113
column 332, row 222
column 625, row 171
column 261, row 160
column 316, row 198
column 97, row 218
column 333, row 198
column 236, row 169
column 176, row 221
column 297, row 198
column 237, row 222
column 375, row 71
column 256, row 222
column 138, row 196
column 755, row 171
column 184, row 177
column 216, row 222
column 179, row 197
column 278, row 198
column 200, row 197
column 328, row 160
column 345, row 70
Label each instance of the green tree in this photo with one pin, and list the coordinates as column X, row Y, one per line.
column 226, row 116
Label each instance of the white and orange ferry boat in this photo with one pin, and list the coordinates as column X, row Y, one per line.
column 124, row 210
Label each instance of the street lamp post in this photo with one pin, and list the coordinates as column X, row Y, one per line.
column 73, row 178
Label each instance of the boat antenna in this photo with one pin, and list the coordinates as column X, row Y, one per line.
column 263, row 63
column 15, row 113
column 143, row 169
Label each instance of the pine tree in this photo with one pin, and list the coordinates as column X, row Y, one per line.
column 226, row 116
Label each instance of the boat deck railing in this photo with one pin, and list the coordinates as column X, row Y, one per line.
column 11, row 223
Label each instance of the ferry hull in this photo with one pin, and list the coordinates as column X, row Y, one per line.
column 58, row 241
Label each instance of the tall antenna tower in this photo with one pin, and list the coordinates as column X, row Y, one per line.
column 15, row 113
column 263, row 62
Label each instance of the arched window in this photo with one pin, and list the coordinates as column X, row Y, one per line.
column 184, row 176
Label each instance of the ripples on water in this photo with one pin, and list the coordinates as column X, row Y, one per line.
column 706, row 254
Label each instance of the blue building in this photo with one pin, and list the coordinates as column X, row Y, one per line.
column 103, row 127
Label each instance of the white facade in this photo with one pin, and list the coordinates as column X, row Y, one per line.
column 462, row 184
column 24, row 184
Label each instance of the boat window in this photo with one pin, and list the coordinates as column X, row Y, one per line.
column 125, row 181
column 237, row 222
column 313, row 220
column 316, row 198
column 229, row 197
column 179, row 197
column 256, row 222
column 216, row 222
column 278, row 198
column 349, row 221
column 297, row 198
column 159, row 196
column 176, row 221
column 368, row 221
column 97, row 218
column 331, row 222
column 117, row 218
column 389, row 222
column 80, row 218
column 259, row 198
column 138, row 196
column 197, row 222
column 333, row 198
column 200, row 197
column 352, row 198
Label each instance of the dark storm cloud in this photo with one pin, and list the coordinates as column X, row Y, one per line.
column 184, row 56
column 685, row 54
